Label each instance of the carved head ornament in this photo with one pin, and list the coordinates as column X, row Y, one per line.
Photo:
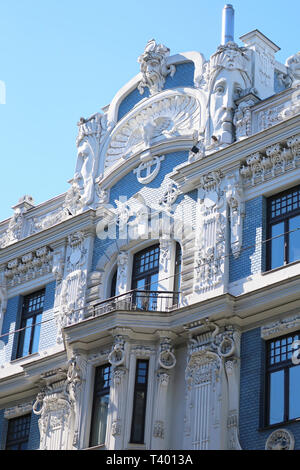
column 293, row 64
column 154, row 67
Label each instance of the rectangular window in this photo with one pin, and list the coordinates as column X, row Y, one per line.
column 283, row 381
column 100, row 405
column 139, row 402
column 284, row 228
column 29, row 335
column 18, row 433
column 145, row 278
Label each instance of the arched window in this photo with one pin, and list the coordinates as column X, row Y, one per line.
column 177, row 273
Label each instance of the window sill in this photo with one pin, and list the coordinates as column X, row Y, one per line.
column 99, row 447
column 264, row 273
column 279, row 425
column 24, row 358
column 132, row 445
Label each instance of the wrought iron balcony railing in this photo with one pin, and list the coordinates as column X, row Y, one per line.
column 138, row 300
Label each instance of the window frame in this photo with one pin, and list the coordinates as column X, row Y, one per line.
column 138, row 388
column 96, row 394
column 147, row 274
column 284, row 366
column 18, row 442
column 24, row 316
column 285, row 218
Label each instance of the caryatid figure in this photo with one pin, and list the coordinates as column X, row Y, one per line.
column 226, row 78
column 88, row 141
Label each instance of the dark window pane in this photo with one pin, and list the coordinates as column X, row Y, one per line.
column 277, row 245
column 18, row 433
column 276, row 398
column 31, row 317
column 113, row 288
column 294, row 239
column 100, row 405
column 98, row 432
column 139, row 403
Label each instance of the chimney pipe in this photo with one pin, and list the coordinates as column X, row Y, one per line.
column 227, row 24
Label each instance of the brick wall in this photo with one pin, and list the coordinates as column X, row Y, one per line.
column 252, row 386
column 252, row 257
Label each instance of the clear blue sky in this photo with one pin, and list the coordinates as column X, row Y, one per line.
column 63, row 59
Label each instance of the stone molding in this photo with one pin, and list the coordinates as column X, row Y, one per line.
column 30, row 266
column 274, row 161
column 280, row 327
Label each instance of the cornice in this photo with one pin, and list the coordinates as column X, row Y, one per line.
column 53, row 235
column 23, row 381
column 230, row 158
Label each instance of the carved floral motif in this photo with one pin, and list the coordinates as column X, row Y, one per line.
column 30, row 266
column 278, row 159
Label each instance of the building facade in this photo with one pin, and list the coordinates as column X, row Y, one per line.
column 156, row 304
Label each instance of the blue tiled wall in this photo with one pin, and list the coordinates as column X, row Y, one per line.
column 129, row 186
column 184, row 77
column 252, row 257
column 3, row 430
column 252, row 393
column 34, row 437
column 12, row 322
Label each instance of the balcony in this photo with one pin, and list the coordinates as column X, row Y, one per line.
column 138, row 300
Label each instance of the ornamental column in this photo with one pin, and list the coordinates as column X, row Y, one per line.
column 166, row 362
column 212, row 388
column 55, row 408
column 117, row 406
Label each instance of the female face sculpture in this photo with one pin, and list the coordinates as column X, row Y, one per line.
column 228, row 86
column 226, row 78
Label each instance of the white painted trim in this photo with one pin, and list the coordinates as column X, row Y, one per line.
column 196, row 57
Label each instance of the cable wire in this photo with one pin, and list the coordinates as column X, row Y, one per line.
column 228, row 255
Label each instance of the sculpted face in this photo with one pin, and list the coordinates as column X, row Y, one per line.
column 228, row 87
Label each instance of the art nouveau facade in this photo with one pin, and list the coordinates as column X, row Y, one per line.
column 153, row 306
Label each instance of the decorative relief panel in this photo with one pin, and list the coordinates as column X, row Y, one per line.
column 211, row 369
column 71, row 289
column 28, row 267
column 17, row 224
column 281, row 439
column 57, row 404
column 235, row 201
column 174, row 115
column 280, row 327
column 209, row 256
column 277, row 160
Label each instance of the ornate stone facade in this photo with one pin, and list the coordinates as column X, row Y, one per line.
column 154, row 262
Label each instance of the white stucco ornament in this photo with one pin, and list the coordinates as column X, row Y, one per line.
column 154, row 67
column 148, row 170
column 293, row 64
column 281, row 439
column 226, row 78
